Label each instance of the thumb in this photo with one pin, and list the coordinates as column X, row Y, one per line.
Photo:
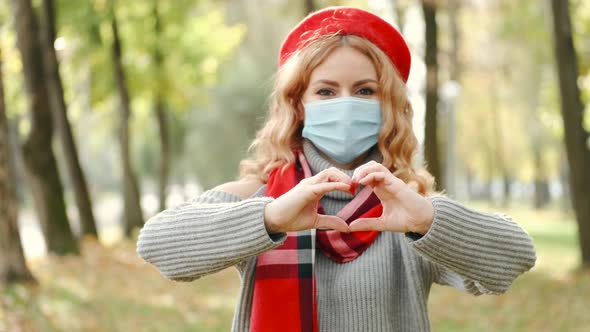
column 331, row 222
column 366, row 224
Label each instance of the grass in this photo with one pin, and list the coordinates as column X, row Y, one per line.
column 553, row 296
column 111, row 289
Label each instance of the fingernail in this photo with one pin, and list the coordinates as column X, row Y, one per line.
column 353, row 186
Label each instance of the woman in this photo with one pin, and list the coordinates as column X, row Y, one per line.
column 314, row 251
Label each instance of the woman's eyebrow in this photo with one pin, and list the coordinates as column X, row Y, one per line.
column 367, row 80
column 334, row 83
column 327, row 82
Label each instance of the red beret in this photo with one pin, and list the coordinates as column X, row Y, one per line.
column 350, row 21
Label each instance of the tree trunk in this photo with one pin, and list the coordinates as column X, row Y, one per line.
column 499, row 144
column 541, row 196
column 16, row 158
column 566, row 202
column 13, row 267
column 161, row 115
column 164, row 151
column 431, row 149
column 490, row 165
column 448, row 139
column 37, row 150
column 576, row 138
column 455, row 70
column 58, row 106
column 507, row 186
column 309, row 6
column 132, row 205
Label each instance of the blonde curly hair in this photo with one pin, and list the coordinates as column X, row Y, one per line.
column 280, row 136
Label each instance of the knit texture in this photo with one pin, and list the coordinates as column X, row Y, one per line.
column 385, row 289
column 333, row 201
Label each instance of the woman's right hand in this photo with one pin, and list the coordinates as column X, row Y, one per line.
column 296, row 210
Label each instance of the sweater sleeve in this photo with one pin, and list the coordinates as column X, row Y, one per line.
column 205, row 235
column 476, row 252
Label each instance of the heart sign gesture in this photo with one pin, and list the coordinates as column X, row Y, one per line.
column 404, row 210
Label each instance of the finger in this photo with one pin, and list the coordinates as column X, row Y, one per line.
column 392, row 182
column 368, row 168
column 366, row 224
column 320, row 189
column 331, row 174
column 376, row 224
column 331, row 222
column 360, row 168
column 372, row 179
column 353, row 187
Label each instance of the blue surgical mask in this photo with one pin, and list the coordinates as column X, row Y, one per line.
column 343, row 128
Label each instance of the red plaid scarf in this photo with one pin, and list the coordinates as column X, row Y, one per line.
column 284, row 289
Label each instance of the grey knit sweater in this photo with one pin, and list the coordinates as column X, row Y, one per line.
column 385, row 289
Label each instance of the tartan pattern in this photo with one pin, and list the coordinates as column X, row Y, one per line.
column 345, row 247
column 284, row 289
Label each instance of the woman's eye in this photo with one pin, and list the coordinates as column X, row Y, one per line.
column 366, row 91
column 324, row 92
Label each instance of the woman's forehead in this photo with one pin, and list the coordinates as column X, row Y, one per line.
column 345, row 62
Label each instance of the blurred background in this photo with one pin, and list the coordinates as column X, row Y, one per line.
column 111, row 111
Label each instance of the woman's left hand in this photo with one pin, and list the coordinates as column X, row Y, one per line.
column 404, row 210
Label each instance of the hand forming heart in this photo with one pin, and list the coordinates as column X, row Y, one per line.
column 297, row 209
column 404, row 210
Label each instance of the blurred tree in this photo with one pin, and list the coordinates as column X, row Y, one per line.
column 431, row 150
column 37, row 150
column 59, row 110
column 450, row 165
column 13, row 267
column 309, row 6
column 13, row 96
column 131, row 200
column 178, row 82
column 500, row 155
column 89, row 86
column 449, row 91
column 238, row 101
column 506, row 88
column 160, row 110
column 167, row 76
column 576, row 137
column 540, row 140
column 522, row 26
column 453, row 8
column 580, row 10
